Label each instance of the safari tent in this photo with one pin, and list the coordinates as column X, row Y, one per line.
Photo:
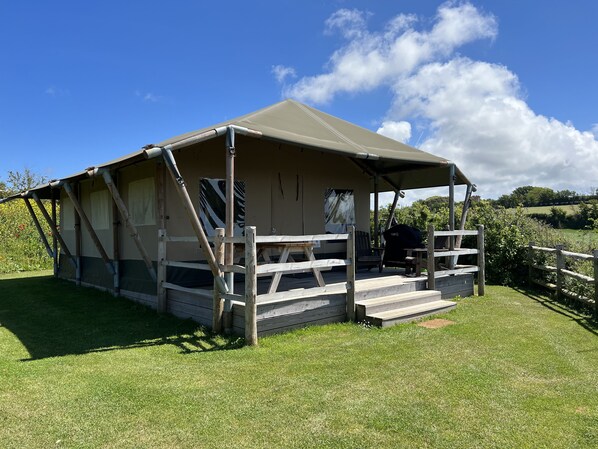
column 171, row 225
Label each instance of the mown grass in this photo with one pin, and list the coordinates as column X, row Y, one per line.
column 79, row 368
column 586, row 238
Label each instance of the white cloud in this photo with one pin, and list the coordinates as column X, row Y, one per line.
column 477, row 118
column 472, row 112
column 281, row 73
column 53, row 91
column 400, row 131
column 369, row 60
column 148, row 97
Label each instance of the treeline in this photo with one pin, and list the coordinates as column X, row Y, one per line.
column 530, row 196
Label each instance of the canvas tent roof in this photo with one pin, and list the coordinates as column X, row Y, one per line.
column 297, row 124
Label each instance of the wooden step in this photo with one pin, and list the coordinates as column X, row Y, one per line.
column 405, row 314
column 398, row 301
column 385, row 286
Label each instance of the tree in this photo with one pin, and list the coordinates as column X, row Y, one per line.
column 20, row 181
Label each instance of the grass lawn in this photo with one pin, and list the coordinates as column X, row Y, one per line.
column 79, row 368
column 586, row 237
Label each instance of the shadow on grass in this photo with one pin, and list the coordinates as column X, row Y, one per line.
column 583, row 320
column 52, row 317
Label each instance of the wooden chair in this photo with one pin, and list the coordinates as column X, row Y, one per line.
column 367, row 256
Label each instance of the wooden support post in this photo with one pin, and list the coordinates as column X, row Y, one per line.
column 560, row 265
column 376, row 214
column 54, row 240
column 53, row 228
column 595, row 262
column 452, row 260
column 122, row 208
column 530, row 262
column 431, row 262
column 351, row 274
column 78, row 243
column 161, row 272
column 40, row 231
column 183, row 193
column 391, row 212
column 229, row 230
column 92, row 233
column 115, row 244
column 250, row 287
column 481, row 262
column 466, row 204
column 218, row 303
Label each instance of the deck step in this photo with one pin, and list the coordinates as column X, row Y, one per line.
column 398, row 301
column 385, row 286
column 405, row 314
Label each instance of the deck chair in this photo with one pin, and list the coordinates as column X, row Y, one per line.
column 367, row 256
column 400, row 241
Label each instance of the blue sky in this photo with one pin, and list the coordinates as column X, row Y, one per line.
column 507, row 89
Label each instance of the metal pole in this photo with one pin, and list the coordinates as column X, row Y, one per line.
column 54, row 241
column 230, row 210
column 452, row 260
column 376, row 218
column 42, row 236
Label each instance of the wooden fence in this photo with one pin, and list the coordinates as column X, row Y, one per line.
column 251, row 270
column 452, row 254
column 561, row 272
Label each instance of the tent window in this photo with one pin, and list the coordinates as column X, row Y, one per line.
column 339, row 210
column 100, row 215
column 142, row 202
column 212, row 205
column 67, row 215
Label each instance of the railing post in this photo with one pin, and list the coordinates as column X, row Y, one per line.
column 431, row 261
column 351, row 274
column 595, row 261
column 250, row 287
column 481, row 262
column 530, row 263
column 218, row 303
column 560, row 264
column 161, row 273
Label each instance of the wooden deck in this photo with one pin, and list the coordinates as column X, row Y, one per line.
column 307, row 308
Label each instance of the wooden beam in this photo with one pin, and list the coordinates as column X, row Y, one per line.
column 42, row 236
column 218, row 303
column 53, row 228
column 376, row 217
column 161, row 272
column 94, row 237
column 181, row 189
column 431, row 261
column 351, row 274
column 481, row 262
column 250, row 287
column 54, row 241
column 115, row 244
column 124, row 212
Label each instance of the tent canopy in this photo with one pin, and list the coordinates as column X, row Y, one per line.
column 399, row 166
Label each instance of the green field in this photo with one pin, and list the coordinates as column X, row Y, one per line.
column 82, row 369
column 570, row 209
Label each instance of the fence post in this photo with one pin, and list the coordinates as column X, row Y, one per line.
column 530, row 263
column 431, row 261
column 250, row 287
column 560, row 264
column 595, row 254
column 161, row 274
column 351, row 274
column 481, row 262
column 218, row 303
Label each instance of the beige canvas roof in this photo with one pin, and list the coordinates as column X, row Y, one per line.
column 294, row 123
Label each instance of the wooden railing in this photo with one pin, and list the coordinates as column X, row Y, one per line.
column 251, row 270
column 562, row 273
column 452, row 254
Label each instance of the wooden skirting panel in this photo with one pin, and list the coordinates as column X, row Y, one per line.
column 451, row 286
column 282, row 316
column 184, row 305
